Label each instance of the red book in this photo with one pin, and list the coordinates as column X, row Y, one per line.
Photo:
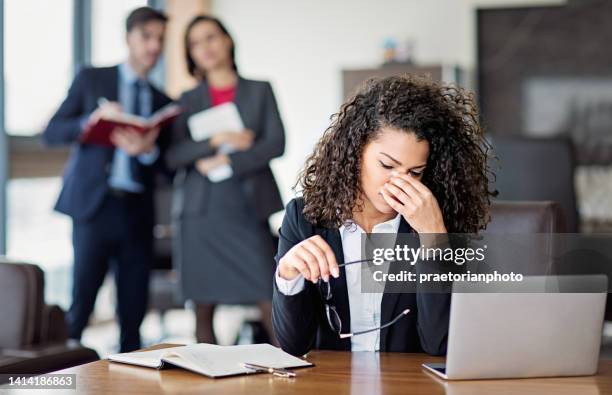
column 99, row 133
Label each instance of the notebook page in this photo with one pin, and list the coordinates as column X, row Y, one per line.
column 151, row 359
column 221, row 118
column 217, row 361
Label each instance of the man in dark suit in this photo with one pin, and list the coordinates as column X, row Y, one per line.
column 108, row 191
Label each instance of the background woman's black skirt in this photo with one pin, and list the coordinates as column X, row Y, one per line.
column 227, row 255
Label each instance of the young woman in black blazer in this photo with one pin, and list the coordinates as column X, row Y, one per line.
column 223, row 246
column 403, row 155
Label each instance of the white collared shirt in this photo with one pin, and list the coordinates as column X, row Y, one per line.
column 364, row 307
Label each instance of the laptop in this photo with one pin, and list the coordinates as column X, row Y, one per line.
column 544, row 326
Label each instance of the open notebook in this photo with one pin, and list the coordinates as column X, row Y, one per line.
column 99, row 132
column 213, row 360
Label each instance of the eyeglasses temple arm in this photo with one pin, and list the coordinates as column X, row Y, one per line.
column 393, row 321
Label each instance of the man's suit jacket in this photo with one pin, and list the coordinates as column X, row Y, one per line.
column 257, row 107
column 89, row 166
column 300, row 322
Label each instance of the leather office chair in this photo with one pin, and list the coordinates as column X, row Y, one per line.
column 526, row 217
column 512, row 251
column 535, row 169
column 164, row 282
column 531, row 217
column 33, row 335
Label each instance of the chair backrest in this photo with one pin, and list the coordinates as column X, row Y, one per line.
column 22, row 296
column 527, row 255
column 518, row 217
column 162, row 231
column 535, row 169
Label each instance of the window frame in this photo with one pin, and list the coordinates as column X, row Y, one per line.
column 26, row 156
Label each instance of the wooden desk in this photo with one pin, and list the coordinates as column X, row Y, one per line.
column 335, row 372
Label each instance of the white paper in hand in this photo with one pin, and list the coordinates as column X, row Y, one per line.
column 221, row 118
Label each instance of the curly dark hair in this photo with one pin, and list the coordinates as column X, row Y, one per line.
column 445, row 116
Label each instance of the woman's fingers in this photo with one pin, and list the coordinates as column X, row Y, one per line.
column 200, row 165
column 407, row 188
column 398, row 193
column 417, row 185
column 302, row 267
column 243, row 142
column 334, row 269
column 310, row 260
column 406, row 208
column 395, row 205
column 313, row 258
column 421, row 209
column 314, row 249
column 318, row 257
column 406, row 202
column 239, row 140
column 324, row 256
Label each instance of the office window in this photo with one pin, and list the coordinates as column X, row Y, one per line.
column 39, row 235
column 108, row 30
column 38, row 61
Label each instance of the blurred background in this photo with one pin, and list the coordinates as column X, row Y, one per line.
column 541, row 70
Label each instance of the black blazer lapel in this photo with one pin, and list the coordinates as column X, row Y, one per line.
column 202, row 98
column 338, row 285
column 389, row 301
column 243, row 103
column 239, row 95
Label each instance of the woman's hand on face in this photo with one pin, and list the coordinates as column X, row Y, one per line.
column 313, row 258
column 415, row 202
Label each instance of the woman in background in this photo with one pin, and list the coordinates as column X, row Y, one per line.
column 223, row 247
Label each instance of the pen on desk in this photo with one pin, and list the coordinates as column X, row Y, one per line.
column 275, row 371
